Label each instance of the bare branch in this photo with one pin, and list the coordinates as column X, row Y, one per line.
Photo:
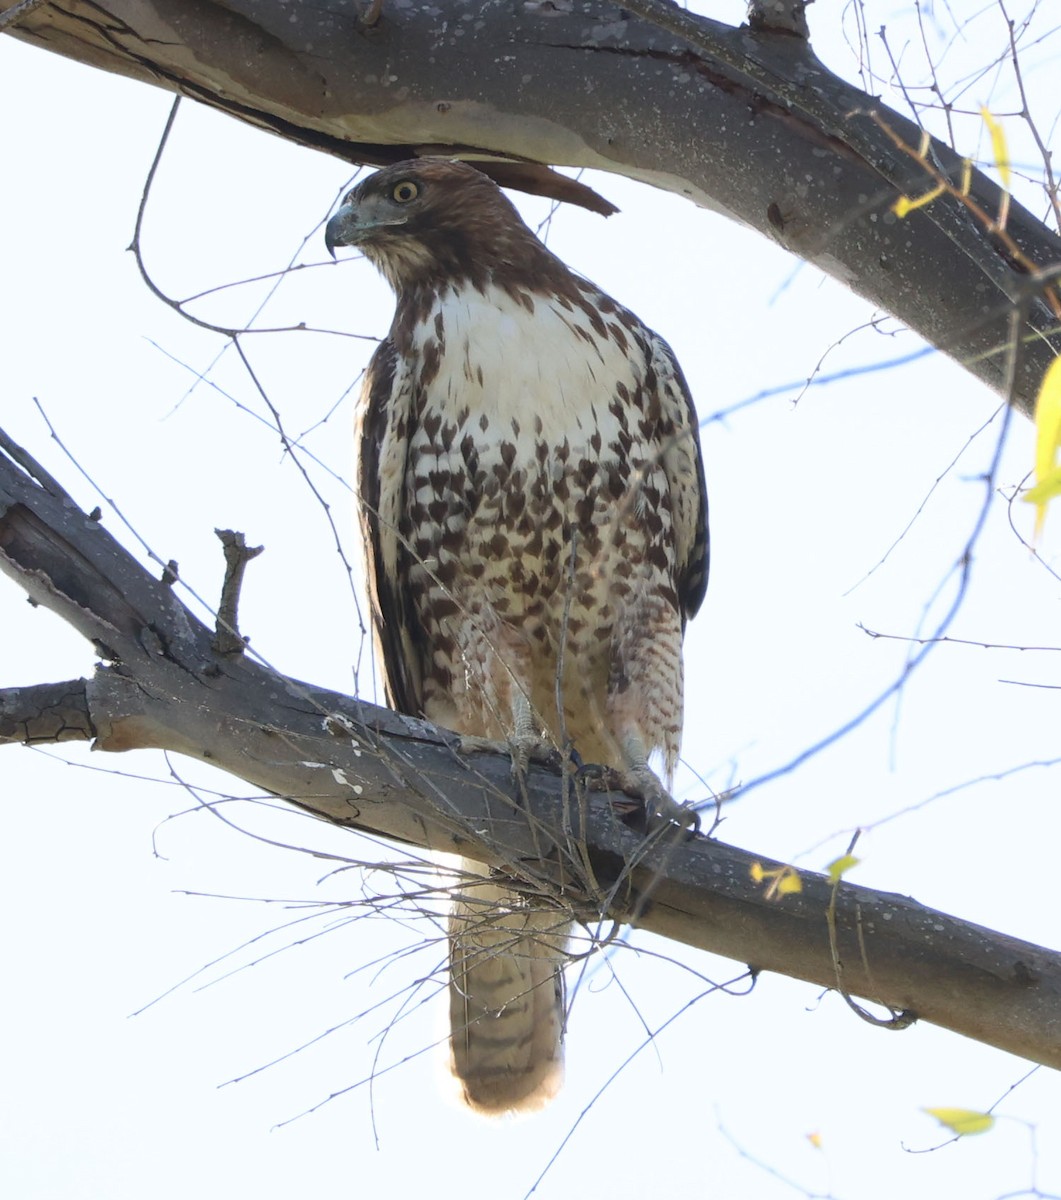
column 1047, row 157
column 47, row 712
column 743, row 121
column 227, row 638
column 365, row 768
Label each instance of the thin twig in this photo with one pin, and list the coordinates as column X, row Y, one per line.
column 994, row 226
column 1051, row 182
column 899, row 1019
column 962, row 567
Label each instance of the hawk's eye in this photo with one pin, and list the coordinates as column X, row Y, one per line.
column 405, row 191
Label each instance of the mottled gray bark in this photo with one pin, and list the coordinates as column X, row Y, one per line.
column 167, row 684
column 746, row 121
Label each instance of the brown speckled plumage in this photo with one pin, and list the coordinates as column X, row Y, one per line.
column 533, row 505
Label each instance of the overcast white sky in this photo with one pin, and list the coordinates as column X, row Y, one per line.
column 100, row 852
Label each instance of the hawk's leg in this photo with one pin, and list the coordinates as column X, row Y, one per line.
column 524, row 746
column 638, row 779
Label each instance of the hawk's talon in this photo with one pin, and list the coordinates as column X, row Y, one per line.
column 521, row 751
column 663, row 807
column 684, row 815
column 473, row 744
column 659, row 805
column 597, row 777
column 594, row 773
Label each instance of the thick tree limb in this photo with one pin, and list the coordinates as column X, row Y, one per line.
column 352, row 764
column 746, row 121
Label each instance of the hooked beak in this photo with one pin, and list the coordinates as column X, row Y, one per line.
column 351, row 226
column 342, row 229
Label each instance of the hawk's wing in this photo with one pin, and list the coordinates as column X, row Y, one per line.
column 382, row 433
column 684, row 465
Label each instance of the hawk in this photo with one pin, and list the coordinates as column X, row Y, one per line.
column 534, row 515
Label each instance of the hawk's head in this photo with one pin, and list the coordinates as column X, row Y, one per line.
column 430, row 221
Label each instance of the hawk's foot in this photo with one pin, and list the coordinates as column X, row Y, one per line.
column 648, row 796
column 521, row 750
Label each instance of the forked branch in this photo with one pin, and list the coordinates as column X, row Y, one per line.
column 164, row 685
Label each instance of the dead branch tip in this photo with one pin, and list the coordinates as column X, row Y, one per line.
column 227, row 640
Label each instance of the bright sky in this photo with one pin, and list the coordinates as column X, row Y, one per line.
column 101, row 853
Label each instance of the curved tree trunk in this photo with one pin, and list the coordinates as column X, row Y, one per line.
column 746, row 121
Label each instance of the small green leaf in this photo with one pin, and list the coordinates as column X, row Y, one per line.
column 962, row 1121
column 839, row 867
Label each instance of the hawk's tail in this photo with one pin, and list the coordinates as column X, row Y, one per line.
column 506, row 997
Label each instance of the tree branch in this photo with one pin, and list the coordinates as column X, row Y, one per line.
column 746, row 121
column 352, row 764
column 779, row 16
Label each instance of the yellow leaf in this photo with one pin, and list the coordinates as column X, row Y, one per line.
column 780, row 881
column 1048, row 421
column 815, row 1140
column 789, row 882
column 998, row 146
column 1047, row 443
column 962, row 1121
column 967, row 176
column 1047, row 490
column 839, row 867
column 907, row 204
